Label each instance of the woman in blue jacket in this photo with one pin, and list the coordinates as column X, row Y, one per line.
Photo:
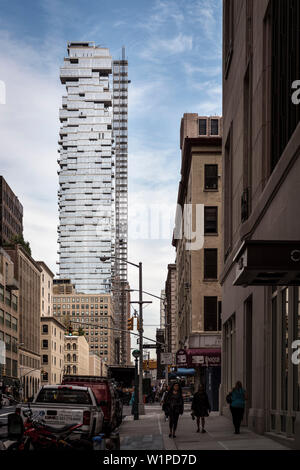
column 237, row 405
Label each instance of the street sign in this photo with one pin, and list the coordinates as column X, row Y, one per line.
column 166, row 358
column 149, row 346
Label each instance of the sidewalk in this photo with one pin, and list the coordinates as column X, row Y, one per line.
column 151, row 432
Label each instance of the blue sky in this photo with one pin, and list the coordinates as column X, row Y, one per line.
column 175, row 58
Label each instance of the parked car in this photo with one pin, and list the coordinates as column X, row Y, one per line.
column 106, row 397
column 62, row 405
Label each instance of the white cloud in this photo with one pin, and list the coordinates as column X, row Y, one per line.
column 176, row 45
column 28, row 135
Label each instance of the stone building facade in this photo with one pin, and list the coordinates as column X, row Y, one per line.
column 197, row 239
column 9, row 321
column 52, row 350
column 92, row 313
column 261, row 180
column 28, row 274
column 76, row 355
column 46, row 289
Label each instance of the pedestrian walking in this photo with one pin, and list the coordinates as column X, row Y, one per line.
column 174, row 407
column 237, row 399
column 200, row 407
column 131, row 402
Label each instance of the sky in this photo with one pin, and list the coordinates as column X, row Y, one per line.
column 174, row 50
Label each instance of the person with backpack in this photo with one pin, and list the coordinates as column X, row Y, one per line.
column 174, row 407
column 200, row 407
column 237, row 400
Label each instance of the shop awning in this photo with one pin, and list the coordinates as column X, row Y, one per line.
column 182, row 372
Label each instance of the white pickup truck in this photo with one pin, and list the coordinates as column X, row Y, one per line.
column 62, row 405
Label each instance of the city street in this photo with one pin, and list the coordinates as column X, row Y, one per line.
column 151, row 432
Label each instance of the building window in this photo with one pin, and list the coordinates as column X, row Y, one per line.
column 210, row 263
column 8, row 320
column 45, row 358
column 211, row 313
column 1, row 293
column 247, row 146
column 211, row 177
column 45, row 344
column 296, row 375
column 227, row 176
column 45, row 377
column 74, row 358
column 202, row 127
column 285, row 19
column 228, row 34
column 74, row 346
column 74, row 369
column 210, row 220
column 45, row 329
column 214, row 126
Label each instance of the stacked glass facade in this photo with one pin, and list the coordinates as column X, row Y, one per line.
column 86, row 203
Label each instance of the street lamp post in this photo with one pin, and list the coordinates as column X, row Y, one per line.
column 140, row 302
column 136, row 354
column 166, row 328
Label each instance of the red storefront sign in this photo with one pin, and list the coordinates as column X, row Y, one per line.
column 203, row 357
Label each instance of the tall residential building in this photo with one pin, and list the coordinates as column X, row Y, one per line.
column 52, row 350
column 9, row 322
column 92, row 313
column 198, row 265
column 46, row 289
column 261, row 224
column 28, row 273
column 11, row 214
column 86, row 202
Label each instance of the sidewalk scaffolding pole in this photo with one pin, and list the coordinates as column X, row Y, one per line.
column 141, row 329
column 136, row 354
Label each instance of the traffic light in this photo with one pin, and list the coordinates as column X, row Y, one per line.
column 130, row 324
column 70, row 330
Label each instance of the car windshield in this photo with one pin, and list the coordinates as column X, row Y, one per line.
column 64, row 395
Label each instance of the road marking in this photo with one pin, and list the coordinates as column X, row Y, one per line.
column 222, row 445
